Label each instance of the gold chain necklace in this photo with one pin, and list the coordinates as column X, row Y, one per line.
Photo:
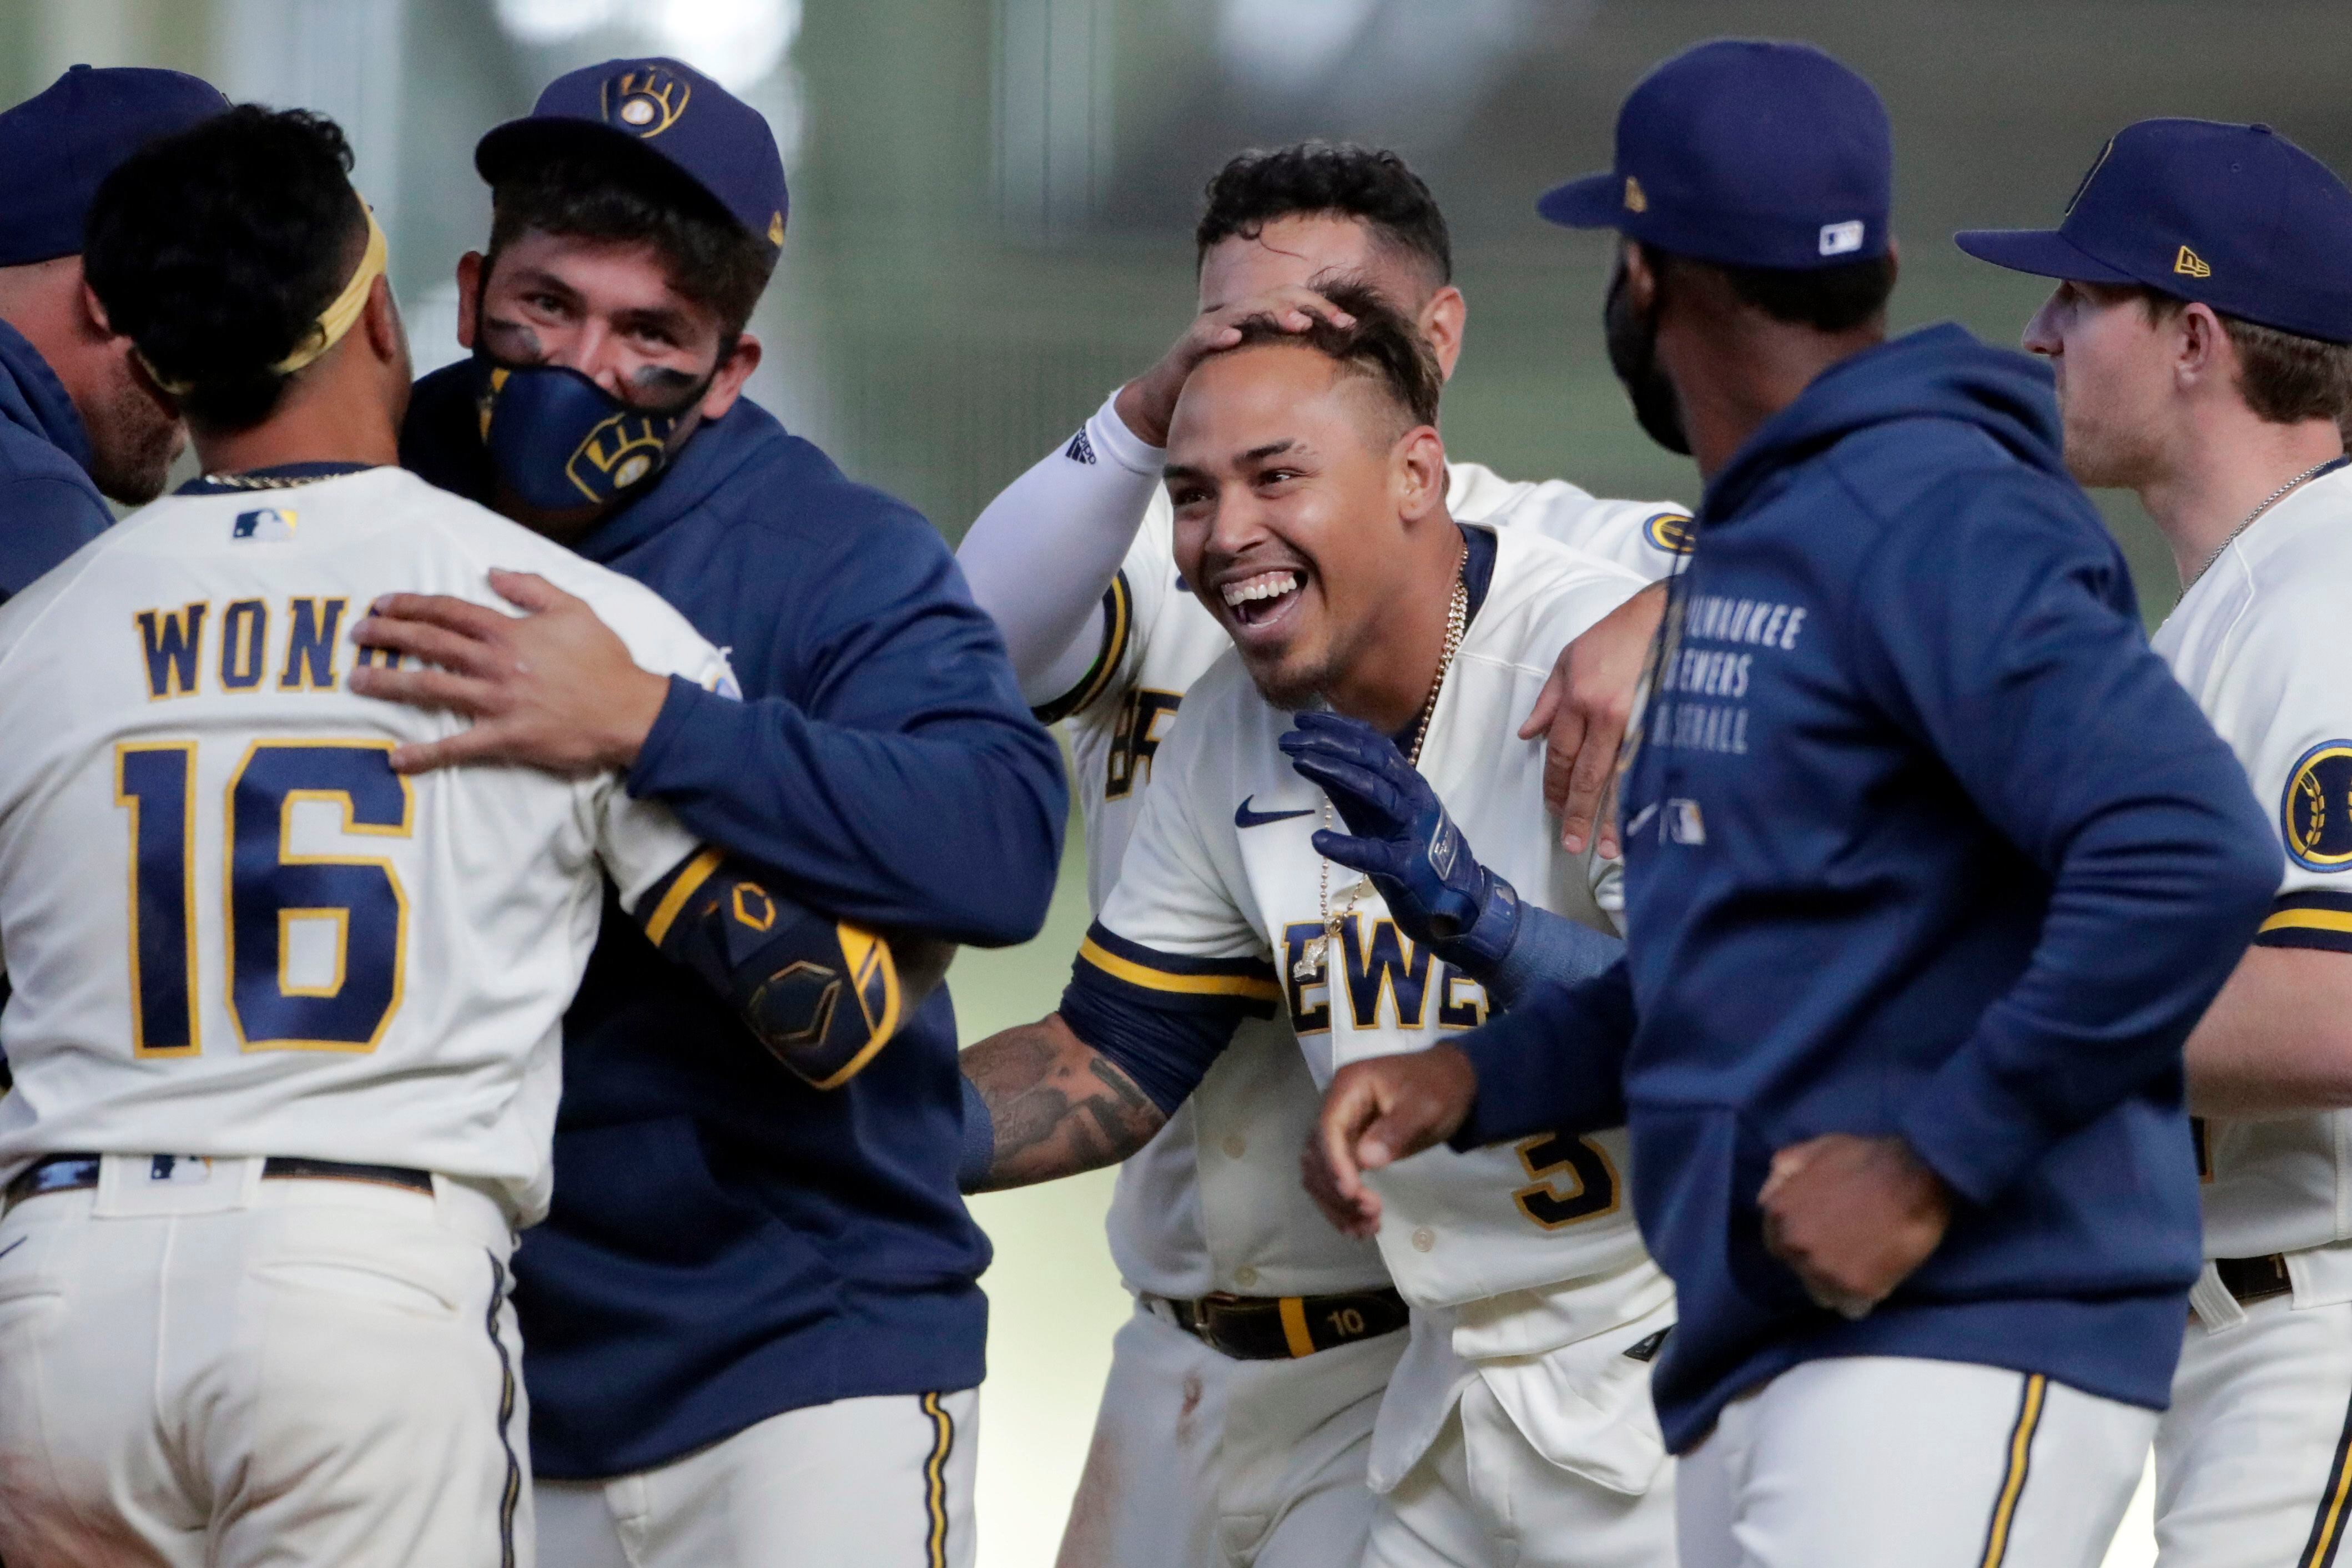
column 2272, row 499
column 265, row 481
column 1317, row 948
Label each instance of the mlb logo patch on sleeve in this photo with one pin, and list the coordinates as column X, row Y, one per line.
column 270, row 524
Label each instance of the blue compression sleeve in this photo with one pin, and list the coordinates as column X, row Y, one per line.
column 979, row 1138
column 1555, row 1063
column 1547, row 949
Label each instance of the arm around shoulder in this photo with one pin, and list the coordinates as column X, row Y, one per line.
column 882, row 756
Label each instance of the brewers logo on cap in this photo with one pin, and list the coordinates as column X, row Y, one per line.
column 647, row 101
column 2315, row 817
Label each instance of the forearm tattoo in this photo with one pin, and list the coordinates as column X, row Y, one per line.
column 1059, row 1107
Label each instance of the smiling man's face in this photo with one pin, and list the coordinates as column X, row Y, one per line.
column 1284, row 471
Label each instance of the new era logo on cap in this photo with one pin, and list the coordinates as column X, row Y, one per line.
column 2234, row 218
column 1843, row 239
column 1635, row 201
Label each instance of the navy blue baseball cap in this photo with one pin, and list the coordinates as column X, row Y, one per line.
column 661, row 109
column 58, row 146
column 1746, row 152
column 2234, row 216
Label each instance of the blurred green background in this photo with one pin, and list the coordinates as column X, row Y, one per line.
column 991, row 203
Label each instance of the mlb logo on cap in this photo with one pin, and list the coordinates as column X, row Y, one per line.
column 1843, row 239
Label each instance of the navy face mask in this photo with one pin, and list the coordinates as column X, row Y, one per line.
column 562, row 443
column 1634, row 355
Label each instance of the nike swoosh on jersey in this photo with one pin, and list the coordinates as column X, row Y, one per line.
column 1245, row 818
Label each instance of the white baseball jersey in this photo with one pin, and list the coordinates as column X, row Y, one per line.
column 2257, row 642
column 1213, row 1202
column 230, row 927
column 1222, row 877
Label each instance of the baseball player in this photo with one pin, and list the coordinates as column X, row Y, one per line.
column 78, row 421
column 1076, row 560
column 285, row 1022
column 754, row 1321
column 1930, row 867
column 1309, row 487
column 2201, row 332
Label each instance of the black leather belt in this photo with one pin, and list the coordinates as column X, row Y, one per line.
column 73, row 1173
column 2252, row 1280
column 1283, row 1328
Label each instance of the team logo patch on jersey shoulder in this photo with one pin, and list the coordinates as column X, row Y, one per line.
column 2316, row 816
column 1671, row 532
column 269, row 525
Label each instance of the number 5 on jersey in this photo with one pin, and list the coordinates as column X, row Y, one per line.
column 271, row 891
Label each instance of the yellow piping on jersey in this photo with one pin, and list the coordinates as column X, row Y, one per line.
column 1150, row 979
column 2308, row 920
column 698, row 872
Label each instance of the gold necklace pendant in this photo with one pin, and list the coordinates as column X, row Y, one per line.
column 1311, row 954
column 1316, row 951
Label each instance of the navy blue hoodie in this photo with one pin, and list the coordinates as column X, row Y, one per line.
column 49, row 507
column 1921, row 840
column 728, row 1243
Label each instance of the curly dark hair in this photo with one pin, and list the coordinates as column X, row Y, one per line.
column 1370, row 184
column 215, row 250
column 588, row 194
column 1382, row 346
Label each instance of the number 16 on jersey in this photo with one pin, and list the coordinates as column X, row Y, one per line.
column 270, row 896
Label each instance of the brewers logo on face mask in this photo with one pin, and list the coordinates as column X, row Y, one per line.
column 645, row 101
column 619, row 453
column 560, row 441
column 2315, row 817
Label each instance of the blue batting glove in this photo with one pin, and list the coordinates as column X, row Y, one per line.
column 1402, row 839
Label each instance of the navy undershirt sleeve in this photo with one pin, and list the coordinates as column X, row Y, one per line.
column 1165, row 1021
column 1550, row 950
column 1556, row 1062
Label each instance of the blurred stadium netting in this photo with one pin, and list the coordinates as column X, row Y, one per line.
column 992, row 205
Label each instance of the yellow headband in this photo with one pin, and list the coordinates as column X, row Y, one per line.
column 336, row 320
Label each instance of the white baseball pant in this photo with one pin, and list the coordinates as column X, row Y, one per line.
column 1200, row 1460
column 203, row 1369
column 1868, row 1461
column 879, row 1482
column 2254, row 1461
